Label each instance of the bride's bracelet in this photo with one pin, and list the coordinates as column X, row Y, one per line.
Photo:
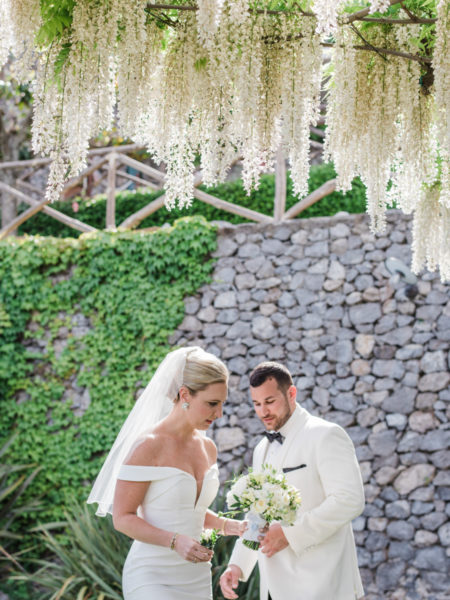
column 224, row 523
column 173, row 540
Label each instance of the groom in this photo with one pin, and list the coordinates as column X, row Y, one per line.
column 315, row 559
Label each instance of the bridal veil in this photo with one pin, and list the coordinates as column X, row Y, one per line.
column 153, row 404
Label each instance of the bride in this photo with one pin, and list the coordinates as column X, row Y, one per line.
column 161, row 475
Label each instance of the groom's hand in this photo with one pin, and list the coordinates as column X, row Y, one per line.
column 229, row 581
column 273, row 540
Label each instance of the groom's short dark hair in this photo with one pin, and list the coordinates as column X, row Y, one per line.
column 269, row 369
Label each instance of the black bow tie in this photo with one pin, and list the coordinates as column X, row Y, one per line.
column 274, row 436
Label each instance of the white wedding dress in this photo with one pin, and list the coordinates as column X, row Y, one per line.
column 155, row 572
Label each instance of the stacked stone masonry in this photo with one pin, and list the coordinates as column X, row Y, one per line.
column 364, row 352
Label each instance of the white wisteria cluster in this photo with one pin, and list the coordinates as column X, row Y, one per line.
column 230, row 80
column 327, row 15
column 365, row 119
column 253, row 87
column 382, row 126
column 415, row 163
column 19, row 23
column 379, row 6
column 81, row 101
column 441, row 68
column 431, row 233
column 208, row 19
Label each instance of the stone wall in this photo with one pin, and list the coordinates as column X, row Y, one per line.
column 316, row 295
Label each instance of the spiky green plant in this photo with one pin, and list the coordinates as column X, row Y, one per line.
column 85, row 559
column 14, row 480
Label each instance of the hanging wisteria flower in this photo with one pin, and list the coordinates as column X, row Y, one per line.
column 379, row 6
column 431, row 234
column 234, row 80
column 208, row 19
column 265, row 496
column 326, row 12
column 441, row 69
column 417, row 158
column 19, row 23
column 238, row 10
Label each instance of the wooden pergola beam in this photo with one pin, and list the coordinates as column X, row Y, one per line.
column 360, row 14
column 324, row 190
column 144, row 182
column 111, row 191
column 151, row 171
column 40, row 206
column 38, row 162
column 247, row 213
column 22, row 217
column 133, row 220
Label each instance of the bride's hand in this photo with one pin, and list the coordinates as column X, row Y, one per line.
column 234, row 527
column 191, row 550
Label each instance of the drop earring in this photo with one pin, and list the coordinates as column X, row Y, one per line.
column 185, row 405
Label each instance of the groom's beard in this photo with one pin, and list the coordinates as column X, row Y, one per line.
column 281, row 419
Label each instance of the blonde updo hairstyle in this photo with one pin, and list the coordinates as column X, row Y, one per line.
column 203, row 369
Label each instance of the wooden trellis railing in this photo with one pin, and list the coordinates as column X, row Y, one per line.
column 108, row 163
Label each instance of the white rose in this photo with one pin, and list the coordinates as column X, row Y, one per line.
column 206, row 535
column 278, row 497
column 230, row 499
column 285, row 499
column 262, row 493
column 260, row 506
column 240, row 486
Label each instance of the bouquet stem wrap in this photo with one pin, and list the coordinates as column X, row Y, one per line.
column 251, row 534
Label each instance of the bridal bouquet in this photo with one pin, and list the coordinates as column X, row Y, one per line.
column 266, row 496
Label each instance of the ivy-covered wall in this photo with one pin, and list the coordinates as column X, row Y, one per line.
column 90, row 314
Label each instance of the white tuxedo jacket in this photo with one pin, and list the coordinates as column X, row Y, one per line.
column 320, row 562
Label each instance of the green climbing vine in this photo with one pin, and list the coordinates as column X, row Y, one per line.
column 86, row 318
